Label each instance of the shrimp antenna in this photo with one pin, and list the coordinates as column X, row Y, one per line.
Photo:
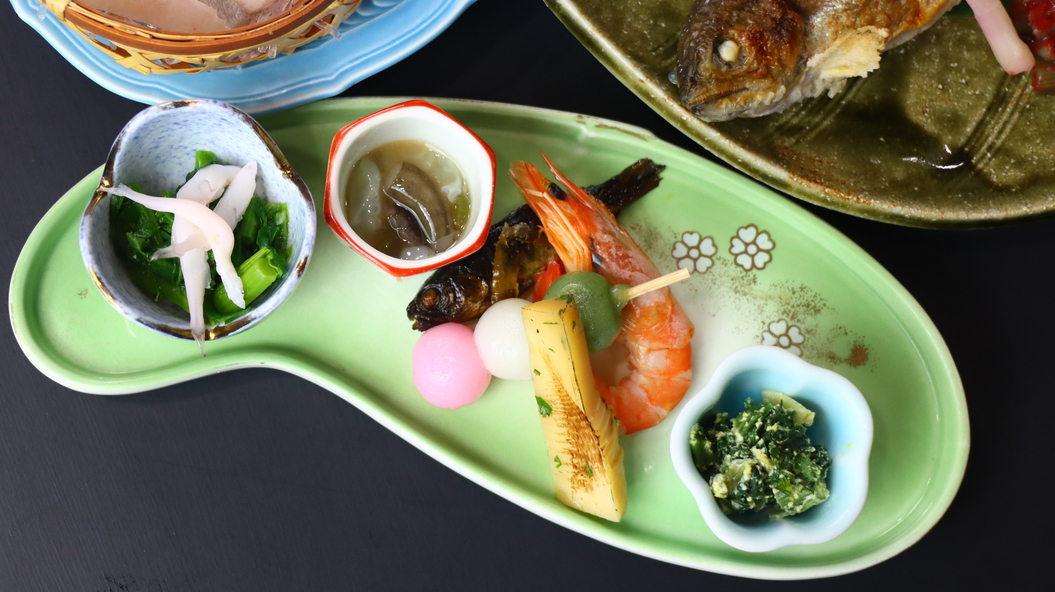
column 579, row 194
column 557, row 223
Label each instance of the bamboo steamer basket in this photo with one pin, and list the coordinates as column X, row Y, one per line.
column 153, row 51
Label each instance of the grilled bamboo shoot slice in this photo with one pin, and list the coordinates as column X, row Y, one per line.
column 580, row 429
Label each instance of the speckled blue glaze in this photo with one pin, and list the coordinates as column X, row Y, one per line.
column 843, row 425
column 156, row 150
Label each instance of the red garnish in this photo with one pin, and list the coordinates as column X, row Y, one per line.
column 544, row 279
column 1035, row 23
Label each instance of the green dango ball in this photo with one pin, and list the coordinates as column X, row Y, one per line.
column 600, row 305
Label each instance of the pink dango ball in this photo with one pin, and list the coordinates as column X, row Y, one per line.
column 447, row 367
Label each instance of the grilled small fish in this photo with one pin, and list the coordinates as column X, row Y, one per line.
column 747, row 58
column 461, row 291
column 521, row 251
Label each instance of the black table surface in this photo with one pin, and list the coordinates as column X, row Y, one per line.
column 259, row 480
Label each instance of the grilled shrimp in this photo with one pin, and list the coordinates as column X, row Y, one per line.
column 656, row 333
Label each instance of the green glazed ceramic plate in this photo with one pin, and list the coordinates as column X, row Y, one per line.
column 764, row 271
column 938, row 136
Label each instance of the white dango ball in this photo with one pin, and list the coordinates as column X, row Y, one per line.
column 501, row 341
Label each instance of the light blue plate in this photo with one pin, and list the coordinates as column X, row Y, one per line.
column 378, row 34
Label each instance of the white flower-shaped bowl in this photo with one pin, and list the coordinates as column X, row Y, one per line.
column 413, row 120
column 156, row 150
column 843, row 425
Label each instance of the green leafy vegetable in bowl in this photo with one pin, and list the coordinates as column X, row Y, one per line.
column 261, row 250
column 762, row 459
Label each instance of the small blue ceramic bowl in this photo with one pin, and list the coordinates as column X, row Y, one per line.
column 843, row 425
column 156, row 150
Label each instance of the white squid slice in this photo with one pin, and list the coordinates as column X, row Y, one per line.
column 182, row 231
column 216, row 231
column 208, row 183
column 204, row 187
column 195, row 268
column 185, row 238
column 231, row 208
column 232, row 205
column 196, row 240
column 1013, row 55
column 196, row 277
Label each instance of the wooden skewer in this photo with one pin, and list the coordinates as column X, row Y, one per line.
column 660, row 282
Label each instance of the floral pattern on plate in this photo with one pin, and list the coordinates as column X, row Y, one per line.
column 760, row 308
column 751, row 247
column 694, row 253
column 785, row 336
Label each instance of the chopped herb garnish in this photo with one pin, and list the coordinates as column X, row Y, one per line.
column 589, row 471
column 544, row 408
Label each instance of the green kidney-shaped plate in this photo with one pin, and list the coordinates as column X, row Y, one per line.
column 763, row 271
column 938, row 136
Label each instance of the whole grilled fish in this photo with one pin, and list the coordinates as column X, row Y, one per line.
column 461, row 291
column 746, row 58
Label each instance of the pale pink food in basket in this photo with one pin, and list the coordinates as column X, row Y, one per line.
column 193, row 16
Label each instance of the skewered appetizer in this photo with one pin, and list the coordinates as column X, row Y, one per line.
column 623, row 302
column 656, row 334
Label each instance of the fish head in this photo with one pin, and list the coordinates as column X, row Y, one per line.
column 454, row 294
column 739, row 57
